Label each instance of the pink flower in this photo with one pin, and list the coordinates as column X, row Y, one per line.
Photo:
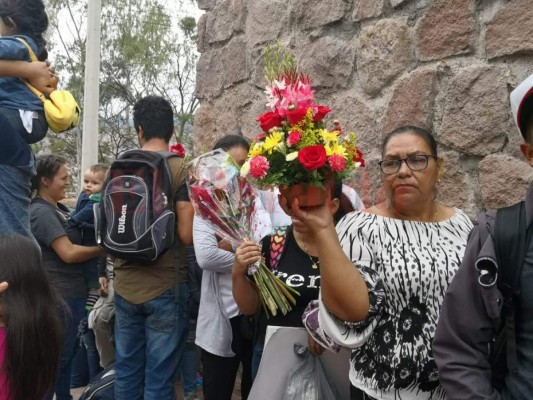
column 258, row 167
column 294, row 138
column 337, row 162
column 178, row 149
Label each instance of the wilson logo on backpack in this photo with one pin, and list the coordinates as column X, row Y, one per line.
column 135, row 219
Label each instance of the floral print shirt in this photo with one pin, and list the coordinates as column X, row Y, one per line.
column 407, row 266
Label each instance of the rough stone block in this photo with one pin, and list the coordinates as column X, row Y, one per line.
column 383, row 51
column 476, row 112
column 396, row 3
column 511, row 30
column 412, row 100
column 453, row 189
column 209, row 75
column 234, row 61
column 220, row 22
column 314, row 13
column 204, row 127
column 201, row 44
column 364, row 9
column 206, row 4
column 266, row 20
column 329, row 61
column 446, row 29
column 504, row 180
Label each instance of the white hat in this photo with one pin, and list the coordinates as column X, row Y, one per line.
column 522, row 104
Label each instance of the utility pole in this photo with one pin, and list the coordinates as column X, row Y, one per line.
column 89, row 144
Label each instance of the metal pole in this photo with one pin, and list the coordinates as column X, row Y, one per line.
column 89, row 144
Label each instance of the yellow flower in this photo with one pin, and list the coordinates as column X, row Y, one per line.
column 245, row 169
column 272, row 140
column 335, row 148
column 329, row 136
column 256, row 150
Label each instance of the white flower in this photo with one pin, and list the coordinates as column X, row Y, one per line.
column 245, row 169
column 291, row 156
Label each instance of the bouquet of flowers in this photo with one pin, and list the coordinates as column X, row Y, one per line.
column 224, row 198
column 295, row 147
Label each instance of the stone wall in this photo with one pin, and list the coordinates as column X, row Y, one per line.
column 448, row 65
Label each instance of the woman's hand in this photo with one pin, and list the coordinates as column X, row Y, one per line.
column 314, row 346
column 104, row 290
column 3, row 286
column 245, row 255
column 41, row 76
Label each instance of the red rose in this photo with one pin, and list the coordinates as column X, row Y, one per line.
column 312, row 157
column 178, row 149
column 296, row 116
column 358, row 157
column 321, row 112
column 269, row 120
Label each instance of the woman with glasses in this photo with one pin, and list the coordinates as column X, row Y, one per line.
column 405, row 251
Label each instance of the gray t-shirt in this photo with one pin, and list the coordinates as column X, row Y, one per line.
column 48, row 224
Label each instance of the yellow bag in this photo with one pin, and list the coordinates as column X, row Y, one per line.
column 60, row 108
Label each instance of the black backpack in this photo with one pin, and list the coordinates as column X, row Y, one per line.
column 511, row 241
column 102, row 386
column 135, row 218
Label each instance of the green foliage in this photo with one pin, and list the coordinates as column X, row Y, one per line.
column 145, row 50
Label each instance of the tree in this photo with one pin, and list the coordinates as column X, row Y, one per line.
column 142, row 52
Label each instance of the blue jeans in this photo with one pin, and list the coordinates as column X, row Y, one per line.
column 189, row 366
column 256, row 358
column 16, row 168
column 86, row 362
column 149, row 342
column 70, row 319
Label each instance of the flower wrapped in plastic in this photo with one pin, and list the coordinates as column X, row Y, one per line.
column 226, row 199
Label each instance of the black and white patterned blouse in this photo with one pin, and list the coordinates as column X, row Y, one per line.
column 407, row 266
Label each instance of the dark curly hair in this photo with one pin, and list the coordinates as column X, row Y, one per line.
column 155, row 116
column 30, row 20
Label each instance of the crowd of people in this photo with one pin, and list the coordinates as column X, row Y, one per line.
column 408, row 284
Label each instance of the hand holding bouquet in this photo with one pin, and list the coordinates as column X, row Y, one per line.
column 224, row 198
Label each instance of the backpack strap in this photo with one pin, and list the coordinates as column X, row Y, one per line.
column 512, row 238
column 278, row 243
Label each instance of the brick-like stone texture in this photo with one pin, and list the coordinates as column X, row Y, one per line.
column 234, row 61
column 266, row 20
column 511, row 29
column 453, row 189
column 503, row 180
column 364, row 9
column 412, row 101
column 476, row 112
column 446, row 29
column 209, row 75
column 201, row 44
column 383, row 52
column 329, row 61
column 220, row 22
column 314, row 13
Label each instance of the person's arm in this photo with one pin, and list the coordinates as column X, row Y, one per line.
column 343, row 289
column 72, row 253
column 464, row 330
column 244, row 292
column 185, row 212
column 39, row 74
column 208, row 255
column 185, row 215
column 85, row 216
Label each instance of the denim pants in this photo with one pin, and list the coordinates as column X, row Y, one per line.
column 70, row 319
column 149, row 342
column 16, row 168
column 86, row 362
column 189, row 366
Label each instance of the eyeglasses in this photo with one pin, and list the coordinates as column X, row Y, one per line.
column 415, row 163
